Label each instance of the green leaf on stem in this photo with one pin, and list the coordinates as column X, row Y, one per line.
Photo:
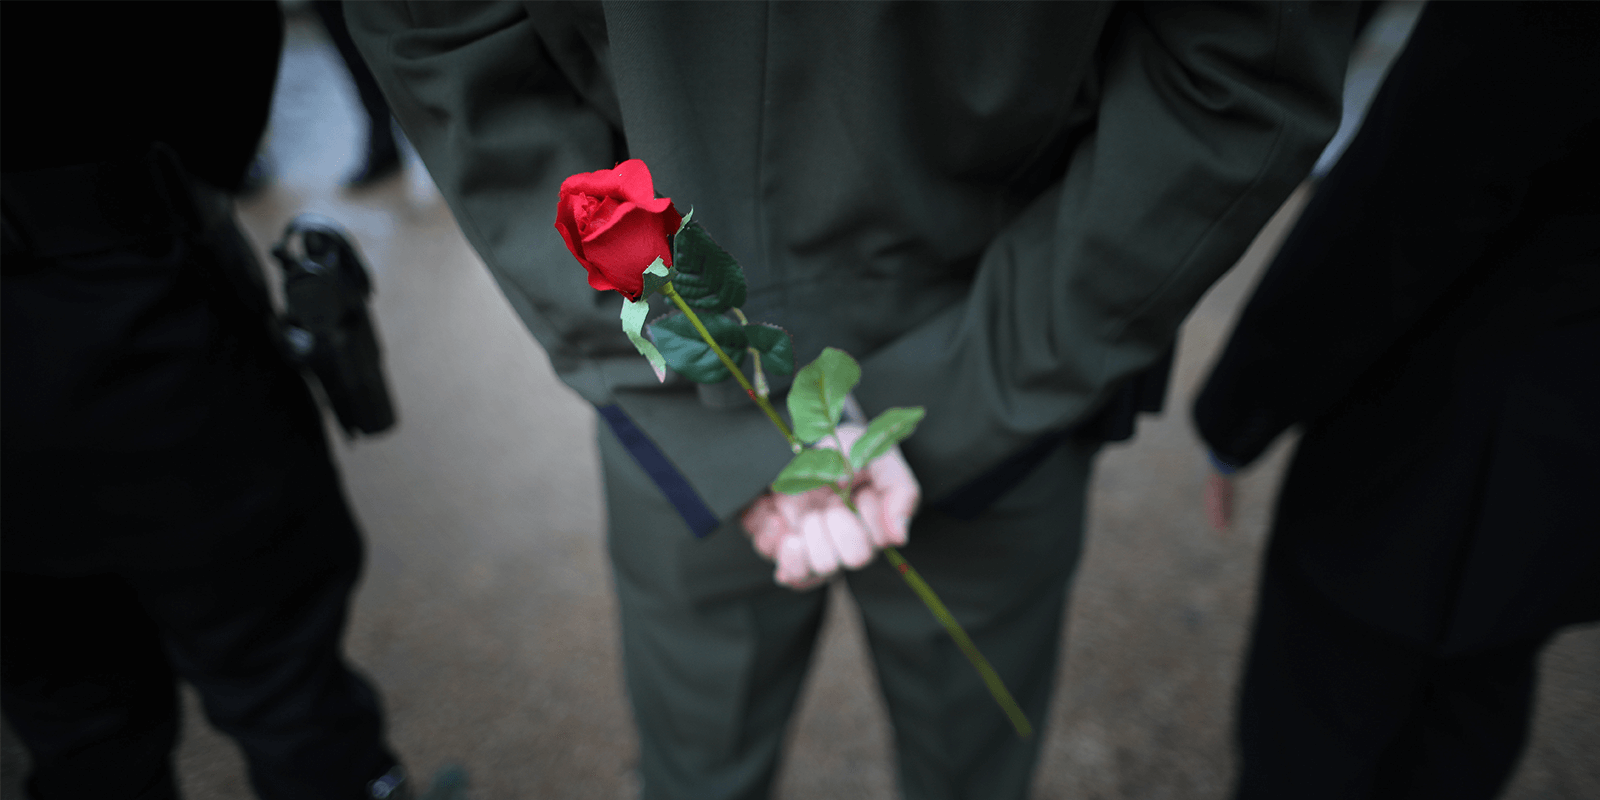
column 708, row 277
column 689, row 355
column 657, row 275
column 775, row 345
column 809, row 470
column 816, row 400
column 633, row 315
column 888, row 430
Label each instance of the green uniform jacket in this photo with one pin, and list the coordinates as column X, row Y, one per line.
column 1001, row 210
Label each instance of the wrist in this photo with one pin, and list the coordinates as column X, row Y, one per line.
column 1222, row 467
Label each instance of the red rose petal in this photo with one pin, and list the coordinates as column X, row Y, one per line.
column 634, row 183
column 615, row 226
column 626, row 246
column 574, row 244
column 657, row 206
column 600, row 184
column 629, row 181
column 599, row 225
column 598, row 281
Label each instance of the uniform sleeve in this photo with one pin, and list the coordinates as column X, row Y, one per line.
column 1430, row 186
column 500, row 126
column 1209, row 117
column 502, row 107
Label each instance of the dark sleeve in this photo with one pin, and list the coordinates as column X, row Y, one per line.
column 504, row 102
column 1485, row 98
column 1210, row 115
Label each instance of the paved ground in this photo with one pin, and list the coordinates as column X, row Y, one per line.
column 486, row 614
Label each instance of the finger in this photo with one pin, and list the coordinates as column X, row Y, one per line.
column 1219, row 501
column 895, row 519
column 809, row 583
column 819, row 544
column 871, row 507
column 870, row 503
column 797, row 506
column 1224, row 502
column 766, row 525
column 850, row 543
column 794, row 568
column 898, row 494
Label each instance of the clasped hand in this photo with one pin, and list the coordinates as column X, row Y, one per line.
column 812, row 535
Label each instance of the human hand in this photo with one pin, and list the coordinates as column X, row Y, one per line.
column 1219, row 500
column 812, row 535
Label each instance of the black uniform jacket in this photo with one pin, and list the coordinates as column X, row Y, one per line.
column 1434, row 322
column 146, row 421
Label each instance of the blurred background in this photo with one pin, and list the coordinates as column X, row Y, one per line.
column 486, row 615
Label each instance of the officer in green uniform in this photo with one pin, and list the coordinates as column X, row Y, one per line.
column 1004, row 211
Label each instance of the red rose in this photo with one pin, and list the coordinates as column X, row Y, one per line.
column 616, row 226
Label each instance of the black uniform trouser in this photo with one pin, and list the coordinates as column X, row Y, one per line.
column 169, row 507
column 1332, row 708
column 331, row 12
column 91, row 664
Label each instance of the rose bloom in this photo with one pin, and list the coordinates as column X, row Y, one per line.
column 615, row 225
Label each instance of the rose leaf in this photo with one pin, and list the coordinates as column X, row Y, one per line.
column 689, row 355
column 817, row 397
column 633, row 314
column 709, row 279
column 885, row 432
column 775, row 346
column 656, row 275
column 809, row 470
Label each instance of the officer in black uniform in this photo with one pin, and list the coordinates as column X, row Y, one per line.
column 1432, row 323
column 169, row 506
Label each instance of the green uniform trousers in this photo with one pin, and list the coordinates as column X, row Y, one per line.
column 715, row 652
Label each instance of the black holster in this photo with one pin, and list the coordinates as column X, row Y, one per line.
column 326, row 325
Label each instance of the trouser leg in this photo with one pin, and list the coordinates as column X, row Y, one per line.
column 381, row 156
column 1321, row 697
column 87, row 688
column 714, row 653
column 1467, row 729
column 1005, row 577
column 331, row 12
column 260, row 640
column 1331, row 708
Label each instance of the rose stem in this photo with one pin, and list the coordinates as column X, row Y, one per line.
column 991, row 679
column 671, row 292
column 929, row 598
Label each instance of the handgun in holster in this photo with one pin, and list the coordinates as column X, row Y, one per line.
column 326, row 326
